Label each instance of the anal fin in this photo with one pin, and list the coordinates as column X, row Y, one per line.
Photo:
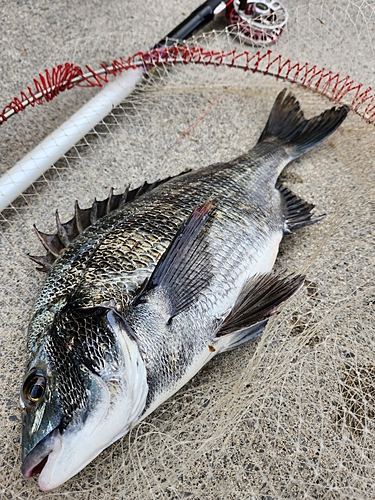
column 297, row 211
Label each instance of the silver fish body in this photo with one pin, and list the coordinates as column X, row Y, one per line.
column 141, row 293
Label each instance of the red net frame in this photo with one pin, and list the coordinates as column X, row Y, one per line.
column 66, row 76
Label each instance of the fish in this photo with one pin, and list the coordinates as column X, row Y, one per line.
column 146, row 287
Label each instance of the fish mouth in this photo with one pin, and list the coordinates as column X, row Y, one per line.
column 34, row 463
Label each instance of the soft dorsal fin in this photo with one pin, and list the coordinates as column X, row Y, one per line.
column 258, row 301
column 297, row 211
column 67, row 232
column 184, row 269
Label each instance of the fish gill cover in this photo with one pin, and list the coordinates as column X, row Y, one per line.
column 291, row 415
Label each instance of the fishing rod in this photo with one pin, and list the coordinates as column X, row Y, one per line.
column 258, row 23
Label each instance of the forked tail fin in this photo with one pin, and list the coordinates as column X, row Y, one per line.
column 288, row 126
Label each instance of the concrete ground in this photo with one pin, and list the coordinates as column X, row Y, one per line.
column 290, row 416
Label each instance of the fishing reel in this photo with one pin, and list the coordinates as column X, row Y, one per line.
column 258, row 23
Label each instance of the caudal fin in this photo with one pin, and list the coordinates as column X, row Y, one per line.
column 288, row 126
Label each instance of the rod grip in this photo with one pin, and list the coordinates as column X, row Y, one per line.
column 197, row 20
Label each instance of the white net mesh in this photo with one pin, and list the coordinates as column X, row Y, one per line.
column 290, row 416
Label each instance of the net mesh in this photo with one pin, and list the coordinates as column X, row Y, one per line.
column 292, row 415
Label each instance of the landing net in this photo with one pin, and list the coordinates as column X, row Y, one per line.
column 292, row 415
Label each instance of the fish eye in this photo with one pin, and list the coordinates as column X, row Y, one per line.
column 34, row 387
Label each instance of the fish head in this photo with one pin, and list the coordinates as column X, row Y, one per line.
column 85, row 386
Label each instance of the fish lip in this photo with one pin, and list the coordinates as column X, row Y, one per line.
column 36, row 460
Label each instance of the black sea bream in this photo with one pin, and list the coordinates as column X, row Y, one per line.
column 143, row 289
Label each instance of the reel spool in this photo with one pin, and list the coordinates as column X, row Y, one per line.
column 257, row 23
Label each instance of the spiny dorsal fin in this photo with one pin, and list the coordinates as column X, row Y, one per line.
column 45, row 261
column 67, row 232
column 51, row 242
column 259, row 299
column 184, row 269
column 297, row 211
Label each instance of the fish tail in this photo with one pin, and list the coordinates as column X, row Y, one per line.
column 287, row 125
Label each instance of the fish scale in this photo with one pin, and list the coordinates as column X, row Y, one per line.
column 91, row 268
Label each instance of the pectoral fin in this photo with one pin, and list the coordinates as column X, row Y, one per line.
column 185, row 267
